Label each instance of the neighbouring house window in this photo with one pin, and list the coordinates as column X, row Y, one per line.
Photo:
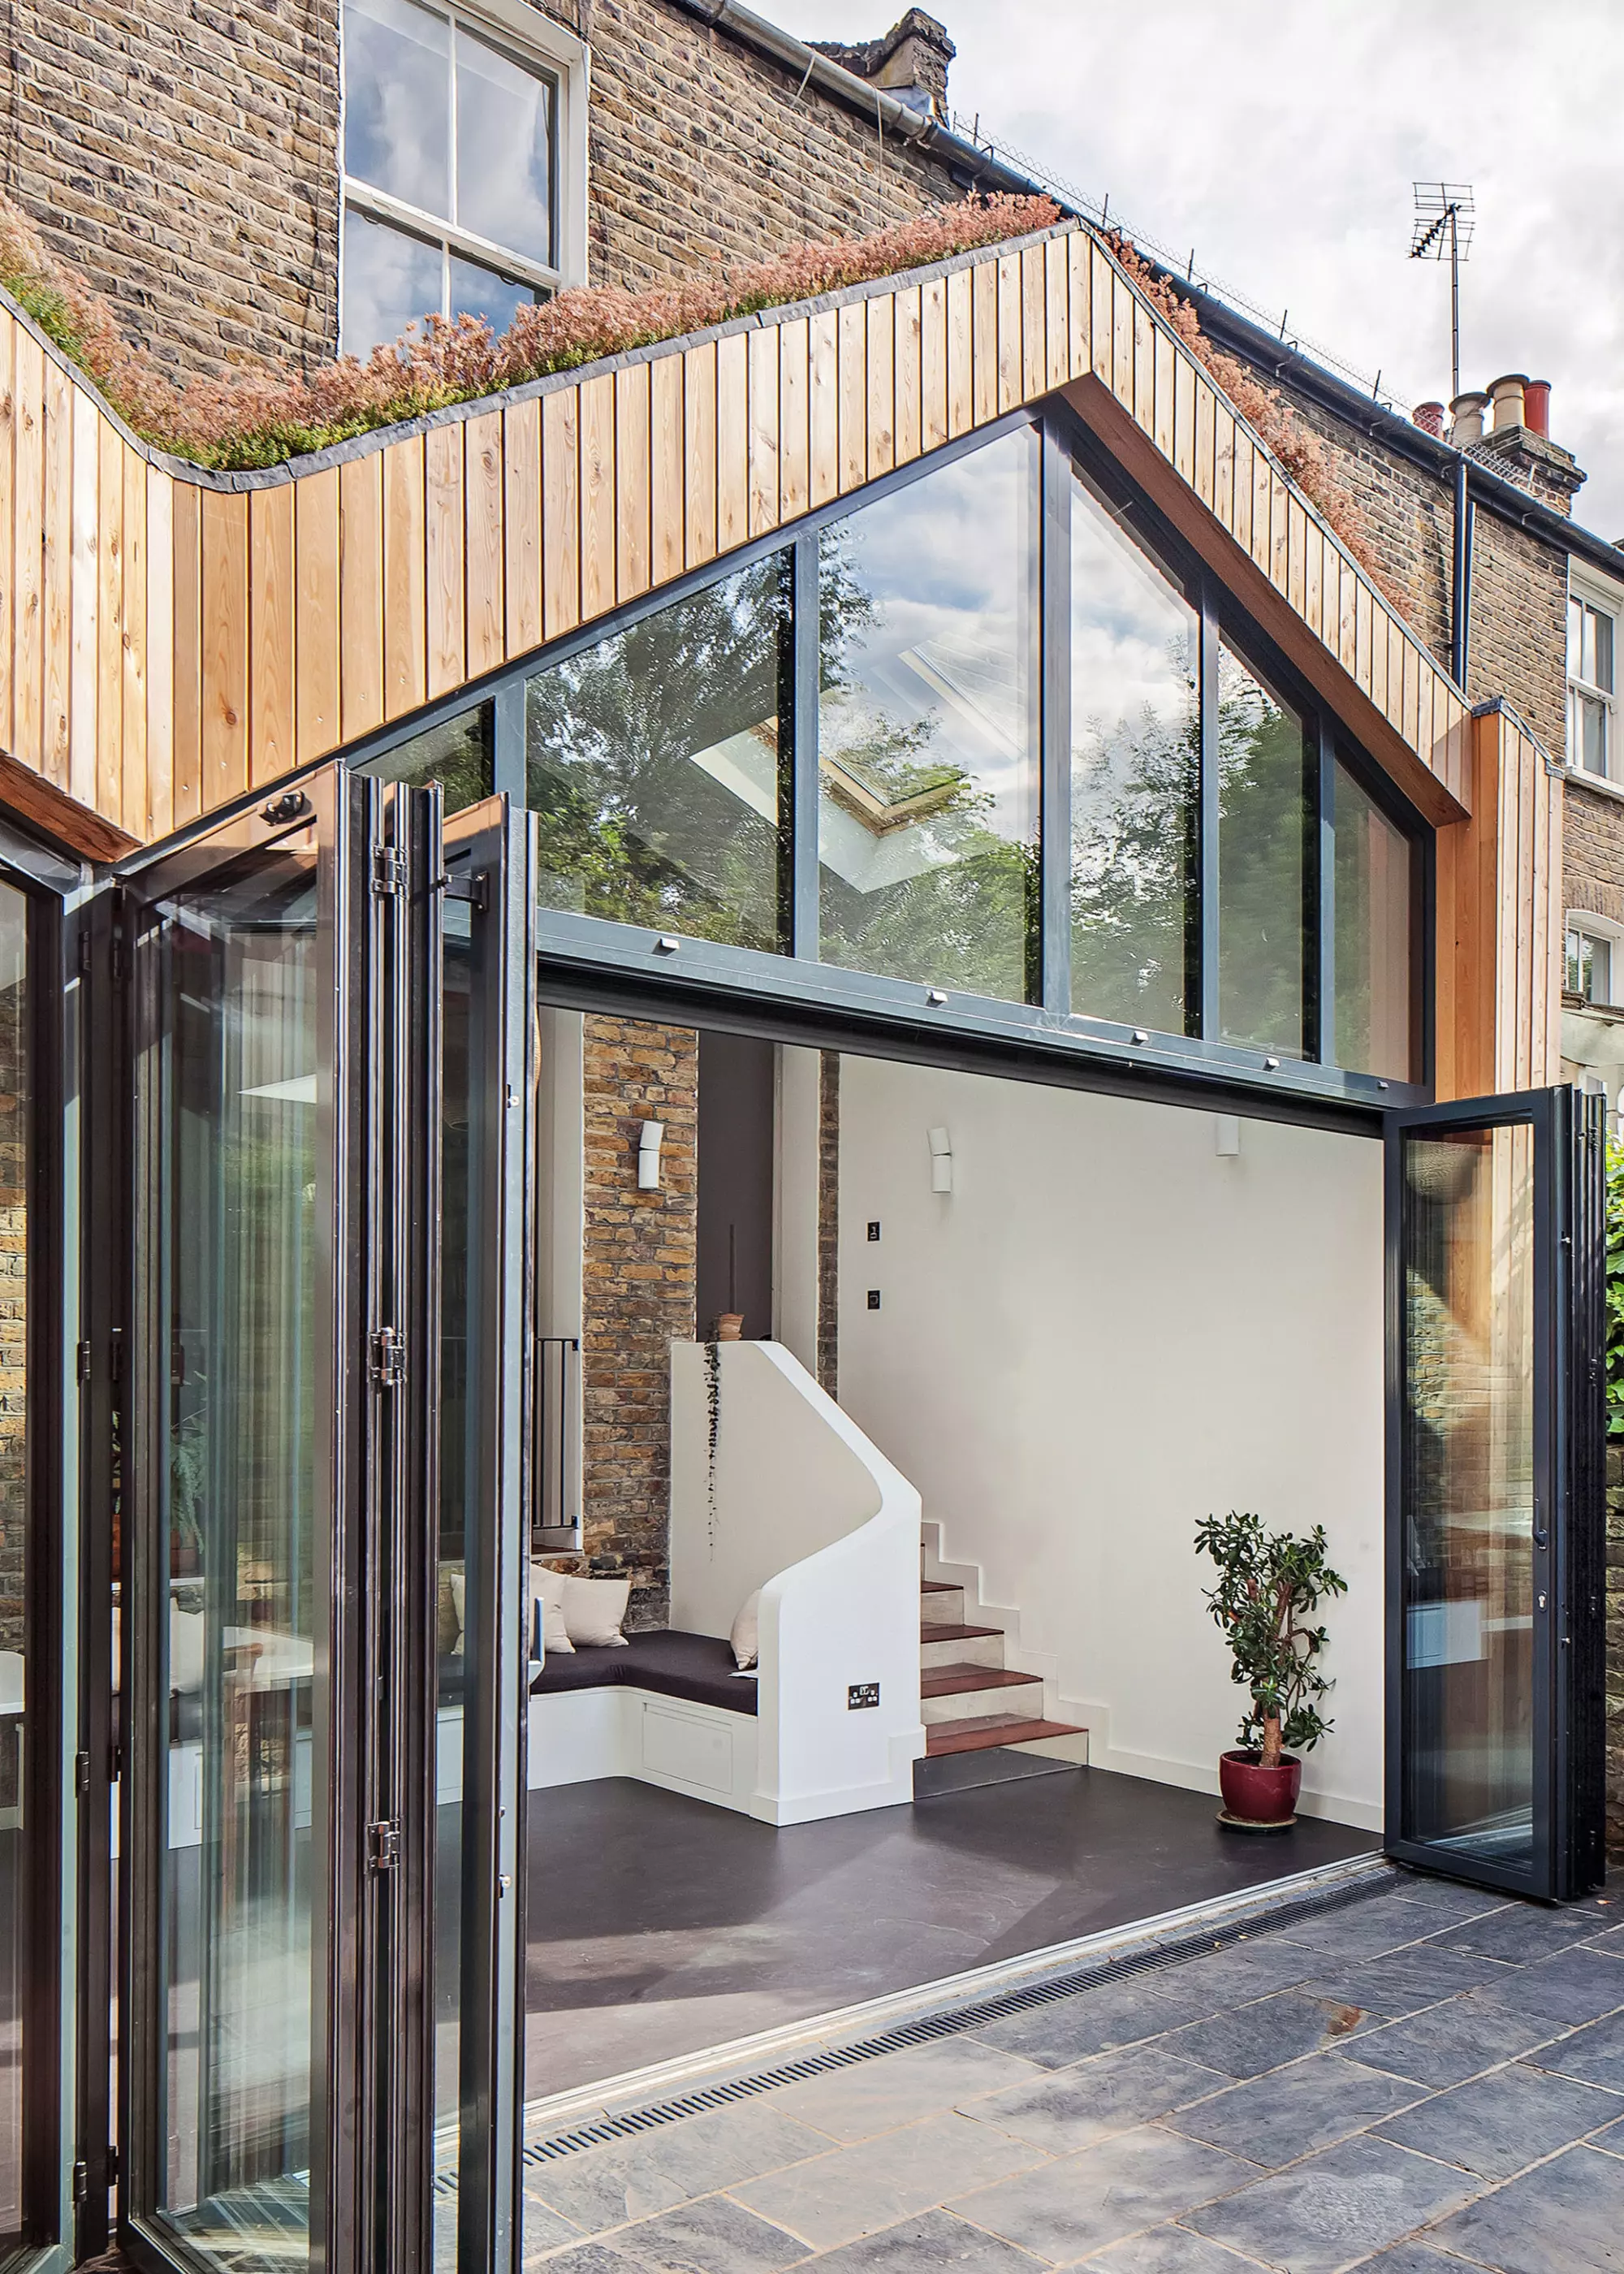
column 453, row 150
column 1374, row 927
column 928, row 832
column 1590, row 962
column 1263, row 812
column 1590, row 687
column 656, row 765
column 1136, row 776
column 457, row 754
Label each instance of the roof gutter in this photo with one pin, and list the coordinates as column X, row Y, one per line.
column 891, row 115
column 1464, row 474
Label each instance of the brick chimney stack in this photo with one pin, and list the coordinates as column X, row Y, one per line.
column 910, row 62
column 1509, row 428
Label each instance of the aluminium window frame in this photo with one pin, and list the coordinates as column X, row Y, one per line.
column 538, row 45
column 600, row 953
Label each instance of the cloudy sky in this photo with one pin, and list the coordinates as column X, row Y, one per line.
column 1281, row 139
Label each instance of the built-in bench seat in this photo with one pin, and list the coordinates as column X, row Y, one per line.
column 694, row 1667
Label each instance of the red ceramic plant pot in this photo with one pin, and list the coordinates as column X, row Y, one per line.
column 1254, row 1795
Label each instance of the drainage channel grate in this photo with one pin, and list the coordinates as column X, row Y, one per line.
column 951, row 2023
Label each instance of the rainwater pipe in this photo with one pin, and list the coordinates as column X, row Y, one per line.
column 1460, row 612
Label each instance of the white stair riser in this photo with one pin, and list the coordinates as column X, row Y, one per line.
column 979, row 1650
column 947, row 1610
column 973, row 1705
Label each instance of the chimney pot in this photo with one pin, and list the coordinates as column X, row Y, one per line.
column 1506, row 397
column 1430, row 417
column 1536, row 407
column 1466, row 419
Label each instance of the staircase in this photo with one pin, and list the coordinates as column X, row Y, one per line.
column 973, row 1704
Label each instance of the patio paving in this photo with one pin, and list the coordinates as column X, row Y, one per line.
column 1418, row 2080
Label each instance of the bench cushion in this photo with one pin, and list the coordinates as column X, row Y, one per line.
column 696, row 1666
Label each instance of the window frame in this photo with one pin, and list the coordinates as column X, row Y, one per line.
column 1593, row 592
column 1601, row 929
column 595, row 955
column 539, row 45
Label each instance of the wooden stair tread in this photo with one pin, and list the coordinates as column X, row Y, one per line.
column 953, row 1680
column 940, row 1587
column 988, row 1729
column 927, row 1634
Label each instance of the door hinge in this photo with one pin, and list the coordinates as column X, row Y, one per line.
column 111, row 2167
column 81, row 2179
column 81, row 1776
column 388, row 869
column 387, row 1360
column 383, row 1845
column 84, row 1361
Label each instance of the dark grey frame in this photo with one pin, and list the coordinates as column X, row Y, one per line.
column 593, row 949
column 1566, row 1556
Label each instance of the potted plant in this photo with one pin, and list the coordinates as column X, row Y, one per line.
column 1269, row 1587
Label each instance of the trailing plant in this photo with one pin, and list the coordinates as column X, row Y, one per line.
column 1269, row 1587
column 1615, row 1288
column 259, row 413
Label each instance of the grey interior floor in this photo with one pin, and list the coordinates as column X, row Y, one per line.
column 659, row 1925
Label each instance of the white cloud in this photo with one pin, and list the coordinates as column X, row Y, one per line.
column 1281, row 142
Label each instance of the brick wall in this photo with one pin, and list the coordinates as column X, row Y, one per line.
column 1593, row 850
column 184, row 154
column 638, row 1266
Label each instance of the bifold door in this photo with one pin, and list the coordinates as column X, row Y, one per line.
column 326, row 1077
column 1496, row 1524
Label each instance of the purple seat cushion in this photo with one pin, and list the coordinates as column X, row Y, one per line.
column 675, row 1665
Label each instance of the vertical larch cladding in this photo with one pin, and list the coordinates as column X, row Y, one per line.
column 638, row 1289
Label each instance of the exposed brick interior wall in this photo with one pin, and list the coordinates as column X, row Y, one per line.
column 638, row 1267
column 184, row 154
column 829, row 1225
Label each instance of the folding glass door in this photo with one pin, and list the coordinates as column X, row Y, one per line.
column 1495, row 1507
column 297, row 1002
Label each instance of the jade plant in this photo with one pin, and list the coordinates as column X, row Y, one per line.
column 1270, row 1583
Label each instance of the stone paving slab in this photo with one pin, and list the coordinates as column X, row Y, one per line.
column 1420, row 2080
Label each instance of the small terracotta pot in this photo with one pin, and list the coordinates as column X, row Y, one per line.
column 730, row 1327
column 1254, row 1795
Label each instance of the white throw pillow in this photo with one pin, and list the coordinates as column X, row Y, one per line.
column 593, row 1610
column 185, row 1649
column 459, row 1598
column 746, row 1636
column 549, row 1587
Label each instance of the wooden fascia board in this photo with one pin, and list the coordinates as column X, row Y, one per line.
column 1136, row 453
column 65, row 824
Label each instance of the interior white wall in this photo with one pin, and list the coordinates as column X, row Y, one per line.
column 1104, row 1332
column 794, row 1202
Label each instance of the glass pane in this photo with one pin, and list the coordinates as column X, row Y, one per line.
column 477, row 291
column 1375, row 868
column 928, row 728
column 656, row 766
column 453, row 1660
column 390, row 280
column 1575, row 638
column 242, row 1926
column 504, row 149
column 456, row 753
column 1578, row 963
column 1601, row 669
column 1262, row 840
column 397, row 102
column 1469, row 1491
column 16, row 1087
column 1136, row 766
column 1592, row 732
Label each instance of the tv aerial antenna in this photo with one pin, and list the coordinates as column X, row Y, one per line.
column 1444, row 220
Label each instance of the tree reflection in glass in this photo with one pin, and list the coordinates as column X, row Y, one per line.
column 1136, row 762
column 926, row 728
column 654, row 763
column 1263, row 872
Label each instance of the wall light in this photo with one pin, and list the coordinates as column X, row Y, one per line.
column 941, row 1162
column 649, row 1156
column 1227, row 1136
